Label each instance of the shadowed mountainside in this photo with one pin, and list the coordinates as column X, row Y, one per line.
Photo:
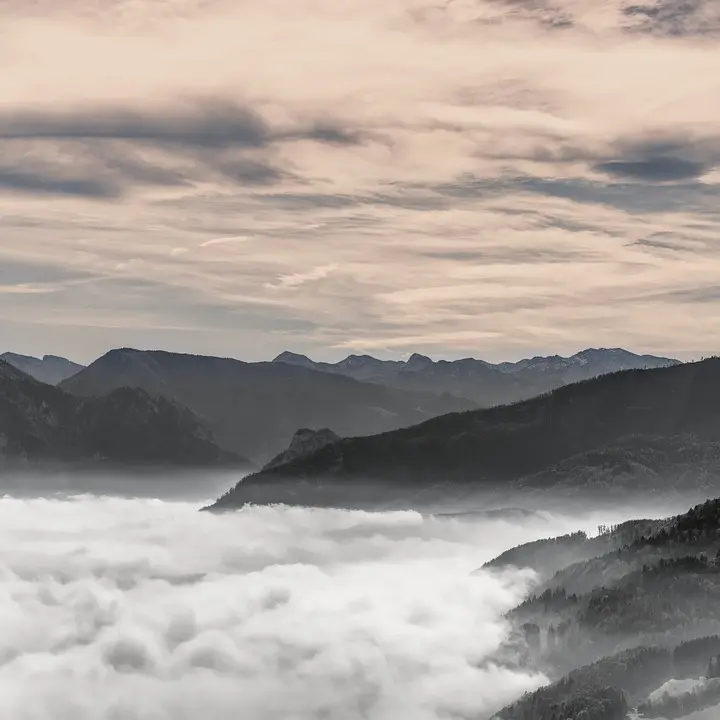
column 662, row 426
column 256, row 408
column 41, row 423
column 49, row 369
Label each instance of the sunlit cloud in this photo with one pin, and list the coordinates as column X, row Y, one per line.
column 478, row 178
column 224, row 241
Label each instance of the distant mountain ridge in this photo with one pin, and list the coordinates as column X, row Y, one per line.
column 49, row 369
column 254, row 409
column 41, row 423
column 486, row 383
column 661, row 426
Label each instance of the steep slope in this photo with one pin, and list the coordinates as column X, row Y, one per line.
column 255, row 408
column 483, row 382
column 642, row 587
column 49, row 369
column 39, row 422
column 305, row 442
column 678, row 406
column 613, row 687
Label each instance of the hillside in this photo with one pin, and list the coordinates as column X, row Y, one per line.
column 41, row 423
column 623, row 613
column 486, row 383
column 49, row 369
column 254, row 409
column 639, row 423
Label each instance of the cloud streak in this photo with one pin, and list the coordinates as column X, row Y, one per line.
column 427, row 150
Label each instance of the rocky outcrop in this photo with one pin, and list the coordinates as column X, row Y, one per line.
column 304, row 442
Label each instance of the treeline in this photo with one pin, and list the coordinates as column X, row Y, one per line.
column 527, row 554
column 699, row 526
column 607, row 689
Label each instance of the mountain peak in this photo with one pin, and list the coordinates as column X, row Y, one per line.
column 356, row 361
column 51, row 369
column 291, row 358
column 418, row 361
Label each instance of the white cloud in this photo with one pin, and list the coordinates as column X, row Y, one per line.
column 295, row 280
column 130, row 608
column 224, row 241
column 26, row 289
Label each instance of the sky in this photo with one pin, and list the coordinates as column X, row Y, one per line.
column 487, row 178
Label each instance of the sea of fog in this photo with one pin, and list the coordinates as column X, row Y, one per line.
column 141, row 608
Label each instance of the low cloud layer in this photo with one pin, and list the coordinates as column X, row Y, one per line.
column 120, row 609
column 500, row 162
column 134, row 609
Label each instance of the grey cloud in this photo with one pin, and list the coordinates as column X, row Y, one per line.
column 631, row 197
column 326, row 131
column 661, row 159
column 669, row 241
column 130, row 168
column 674, row 18
column 213, row 124
column 402, row 196
column 242, row 170
column 310, row 201
column 13, row 272
column 500, row 254
column 104, row 147
column 53, row 182
column 695, row 295
column 202, row 123
column 657, row 169
column 541, row 11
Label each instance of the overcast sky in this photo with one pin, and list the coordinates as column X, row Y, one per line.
column 496, row 178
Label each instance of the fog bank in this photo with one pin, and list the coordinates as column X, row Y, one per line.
column 132, row 608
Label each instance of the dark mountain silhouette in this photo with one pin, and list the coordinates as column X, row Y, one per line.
column 621, row 418
column 255, row 408
column 49, row 369
column 485, row 383
column 41, row 423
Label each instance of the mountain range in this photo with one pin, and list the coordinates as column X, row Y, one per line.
column 485, row 383
column 42, row 423
column 656, row 428
column 49, row 369
column 254, row 409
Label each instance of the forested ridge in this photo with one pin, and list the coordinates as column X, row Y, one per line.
column 635, row 428
column 645, row 611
